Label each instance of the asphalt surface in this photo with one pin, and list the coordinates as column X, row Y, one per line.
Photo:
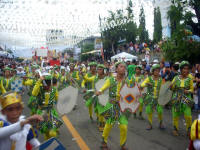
column 138, row 137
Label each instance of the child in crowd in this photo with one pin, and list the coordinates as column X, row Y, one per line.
column 15, row 131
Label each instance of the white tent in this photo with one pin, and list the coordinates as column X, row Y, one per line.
column 124, row 56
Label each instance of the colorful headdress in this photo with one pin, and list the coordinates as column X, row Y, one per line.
column 9, row 99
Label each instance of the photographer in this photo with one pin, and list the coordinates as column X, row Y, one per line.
column 166, row 72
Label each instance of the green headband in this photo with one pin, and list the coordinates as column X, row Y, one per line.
column 71, row 64
column 48, row 77
column 35, row 66
column 156, row 66
column 92, row 64
column 183, row 63
column 56, row 67
column 7, row 68
column 120, row 62
column 138, row 66
column 100, row 66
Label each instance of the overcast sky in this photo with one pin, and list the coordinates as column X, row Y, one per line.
column 24, row 22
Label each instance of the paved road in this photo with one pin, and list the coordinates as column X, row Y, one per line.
column 138, row 138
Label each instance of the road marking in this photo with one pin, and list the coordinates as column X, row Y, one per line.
column 75, row 134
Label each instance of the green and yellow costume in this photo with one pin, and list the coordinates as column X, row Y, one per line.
column 151, row 98
column 97, row 106
column 180, row 100
column 5, row 83
column 138, row 80
column 75, row 76
column 89, row 85
column 31, row 102
column 45, row 101
column 112, row 109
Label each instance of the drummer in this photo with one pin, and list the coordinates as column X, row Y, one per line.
column 182, row 87
column 30, row 81
column 90, row 85
column 33, row 71
column 62, row 78
column 72, row 74
column 114, row 85
column 153, row 84
column 47, row 96
column 139, row 78
column 94, row 79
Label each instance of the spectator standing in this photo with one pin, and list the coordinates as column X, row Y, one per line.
column 197, row 77
column 175, row 69
column 166, row 72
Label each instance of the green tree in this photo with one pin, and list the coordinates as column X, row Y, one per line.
column 130, row 26
column 181, row 46
column 157, row 34
column 175, row 15
column 143, row 33
column 118, row 25
column 86, row 48
column 185, row 11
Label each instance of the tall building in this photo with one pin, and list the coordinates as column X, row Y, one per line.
column 164, row 6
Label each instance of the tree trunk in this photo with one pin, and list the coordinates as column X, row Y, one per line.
column 113, row 50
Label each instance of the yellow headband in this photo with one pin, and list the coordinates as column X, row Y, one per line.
column 9, row 99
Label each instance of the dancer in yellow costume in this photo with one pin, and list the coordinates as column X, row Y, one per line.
column 153, row 84
column 98, row 106
column 56, row 72
column 30, row 81
column 114, row 114
column 46, row 98
column 5, row 83
column 182, row 87
column 139, row 78
column 73, row 75
column 90, row 85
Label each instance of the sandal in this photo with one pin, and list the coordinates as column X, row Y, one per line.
column 101, row 128
column 104, row 146
column 175, row 132
column 123, row 148
column 161, row 127
column 149, row 128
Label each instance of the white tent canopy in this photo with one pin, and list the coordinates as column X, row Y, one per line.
column 124, row 56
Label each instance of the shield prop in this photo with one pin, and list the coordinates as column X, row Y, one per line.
column 165, row 94
column 129, row 98
column 16, row 85
column 67, row 99
column 51, row 144
column 103, row 98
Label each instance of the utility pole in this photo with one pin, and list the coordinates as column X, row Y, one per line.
column 102, row 51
